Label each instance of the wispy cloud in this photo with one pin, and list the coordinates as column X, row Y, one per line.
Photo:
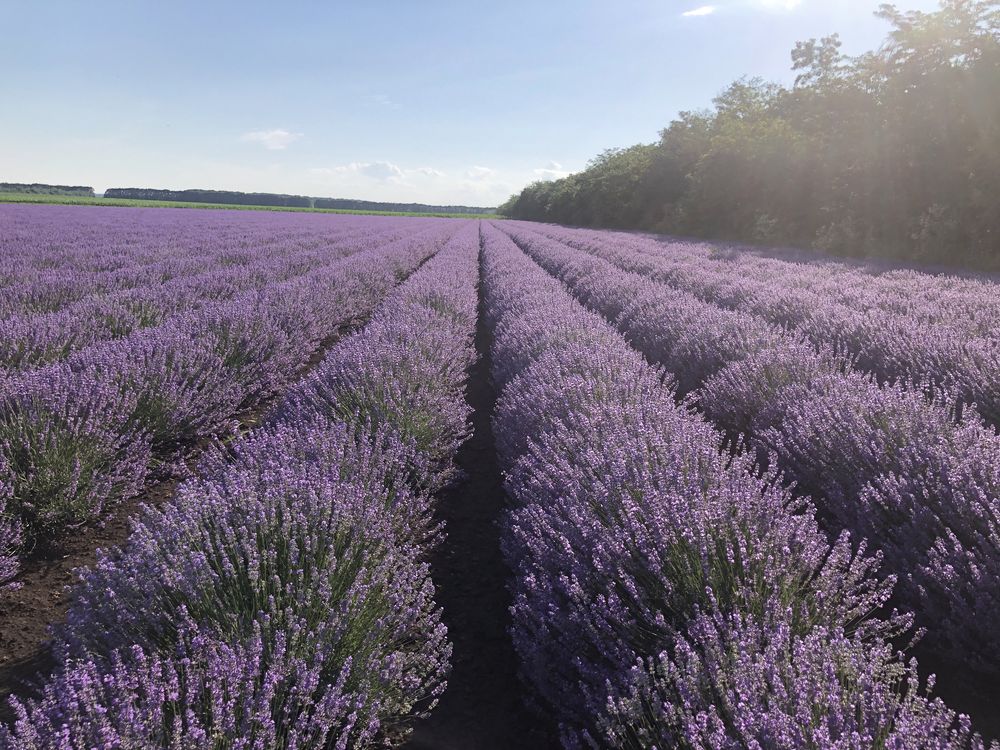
column 480, row 173
column 383, row 171
column 551, row 171
column 704, row 10
column 376, row 170
column 476, row 185
column 273, row 140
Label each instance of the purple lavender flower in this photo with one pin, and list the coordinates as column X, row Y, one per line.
column 68, row 446
column 207, row 692
column 283, row 599
column 629, row 522
column 884, row 460
column 744, row 681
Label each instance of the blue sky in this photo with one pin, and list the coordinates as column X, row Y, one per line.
column 433, row 101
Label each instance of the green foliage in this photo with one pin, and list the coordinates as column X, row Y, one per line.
column 894, row 153
column 58, row 475
column 37, row 188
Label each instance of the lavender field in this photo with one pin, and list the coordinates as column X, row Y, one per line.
column 332, row 481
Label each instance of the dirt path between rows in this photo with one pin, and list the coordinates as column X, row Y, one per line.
column 483, row 707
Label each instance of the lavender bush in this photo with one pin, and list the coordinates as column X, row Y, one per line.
column 629, row 523
column 926, row 488
column 282, row 599
column 739, row 681
column 206, row 693
column 304, row 542
column 68, row 445
column 743, row 397
column 82, row 434
column 841, row 435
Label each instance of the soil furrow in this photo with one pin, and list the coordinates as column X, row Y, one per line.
column 483, row 707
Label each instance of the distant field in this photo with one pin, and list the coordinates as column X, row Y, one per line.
column 129, row 203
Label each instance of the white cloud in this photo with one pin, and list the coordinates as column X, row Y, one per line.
column 381, row 170
column 376, row 170
column 704, row 10
column 551, row 171
column 273, row 140
column 480, row 173
column 384, row 180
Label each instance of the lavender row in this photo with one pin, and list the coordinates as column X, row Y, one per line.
column 48, row 264
column 881, row 461
column 665, row 595
column 52, row 256
column 282, row 600
column 78, row 436
column 967, row 304
column 902, row 336
column 31, row 339
column 63, row 285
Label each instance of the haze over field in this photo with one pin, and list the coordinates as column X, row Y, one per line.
column 436, row 102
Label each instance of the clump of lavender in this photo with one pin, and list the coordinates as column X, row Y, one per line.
column 421, row 402
column 893, row 468
column 736, row 681
column 306, row 542
column 938, row 517
column 843, row 430
column 65, row 438
column 629, row 524
column 978, row 382
column 884, row 460
column 206, row 692
column 177, row 383
column 283, row 598
column 743, row 397
column 518, row 340
column 257, row 353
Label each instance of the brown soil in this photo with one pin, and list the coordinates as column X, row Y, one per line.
column 482, row 708
column 25, row 615
column 975, row 695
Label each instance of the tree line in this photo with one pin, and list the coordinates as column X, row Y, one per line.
column 893, row 153
column 39, row 188
column 227, row 197
column 233, row 197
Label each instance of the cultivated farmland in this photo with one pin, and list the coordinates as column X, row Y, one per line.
column 331, row 481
